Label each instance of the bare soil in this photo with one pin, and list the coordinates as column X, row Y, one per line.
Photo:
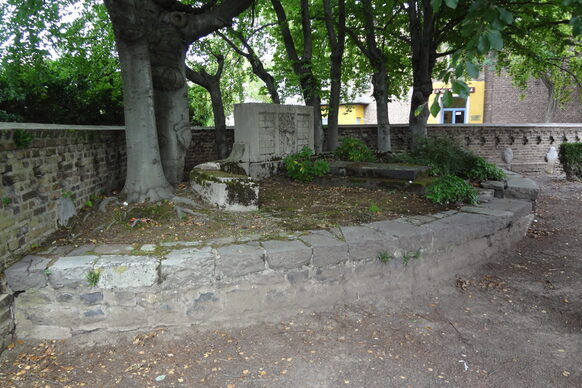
column 285, row 206
column 516, row 322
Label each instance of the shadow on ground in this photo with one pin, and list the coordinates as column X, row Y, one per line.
column 515, row 322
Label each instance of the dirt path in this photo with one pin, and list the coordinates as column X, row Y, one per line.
column 516, row 322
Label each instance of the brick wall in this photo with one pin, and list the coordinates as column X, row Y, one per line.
column 203, row 148
column 529, row 142
column 504, row 103
column 82, row 161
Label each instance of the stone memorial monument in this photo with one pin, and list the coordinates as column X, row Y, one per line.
column 266, row 133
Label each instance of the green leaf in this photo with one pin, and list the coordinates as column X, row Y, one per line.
column 419, row 110
column 472, row 69
column 461, row 88
column 505, row 16
column 495, row 39
column 435, row 108
column 436, row 5
column 576, row 23
column 452, row 3
column 447, row 99
column 483, row 45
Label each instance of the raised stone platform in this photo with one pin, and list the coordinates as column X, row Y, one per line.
column 202, row 282
column 378, row 170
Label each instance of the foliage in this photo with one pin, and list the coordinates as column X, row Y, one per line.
column 22, row 139
column 354, row 150
column 443, row 156
column 451, row 189
column 374, row 208
column 384, row 257
column 416, row 255
column 571, row 159
column 6, row 201
column 482, row 170
column 301, row 167
column 93, row 277
column 56, row 69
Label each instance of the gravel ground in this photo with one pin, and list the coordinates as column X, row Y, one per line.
column 516, row 322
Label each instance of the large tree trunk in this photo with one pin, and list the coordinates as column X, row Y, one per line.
column 219, row 121
column 380, row 94
column 145, row 176
column 337, row 43
column 152, row 37
column 423, row 50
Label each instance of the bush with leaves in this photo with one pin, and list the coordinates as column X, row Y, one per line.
column 451, row 189
column 443, row 156
column 301, row 167
column 571, row 159
column 354, row 150
column 482, row 170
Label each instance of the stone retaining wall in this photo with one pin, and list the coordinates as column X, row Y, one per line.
column 185, row 283
column 58, row 161
column 529, row 142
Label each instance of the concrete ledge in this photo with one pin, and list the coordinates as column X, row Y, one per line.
column 259, row 280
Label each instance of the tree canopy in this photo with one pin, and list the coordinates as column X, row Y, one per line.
column 66, row 61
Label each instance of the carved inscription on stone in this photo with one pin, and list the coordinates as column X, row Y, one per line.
column 286, row 133
column 266, row 133
column 303, row 127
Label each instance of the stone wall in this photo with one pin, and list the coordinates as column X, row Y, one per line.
column 199, row 283
column 58, row 161
column 529, row 142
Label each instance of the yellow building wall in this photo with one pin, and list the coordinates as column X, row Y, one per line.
column 476, row 102
column 348, row 114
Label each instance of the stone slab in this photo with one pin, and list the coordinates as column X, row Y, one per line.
column 70, row 271
column 27, row 273
column 83, row 249
column 364, row 243
column 463, row 227
column 521, row 188
column 287, row 254
column 327, row 249
column 378, row 170
column 404, row 236
column 519, row 207
column 127, row 271
column 113, row 249
column 188, row 267
column 240, row 259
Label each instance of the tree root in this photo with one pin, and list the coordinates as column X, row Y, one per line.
column 185, row 201
column 105, row 202
column 181, row 210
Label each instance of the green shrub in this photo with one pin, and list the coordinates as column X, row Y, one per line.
column 354, row 150
column 571, row 159
column 443, row 156
column 301, row 167
column 451, row 189
column 482, row 170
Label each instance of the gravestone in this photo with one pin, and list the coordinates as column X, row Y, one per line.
column 551, row 159
column 266, row 133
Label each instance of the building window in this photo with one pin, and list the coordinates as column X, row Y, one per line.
column 324, row 120
column 456, row 113
column 358, row 120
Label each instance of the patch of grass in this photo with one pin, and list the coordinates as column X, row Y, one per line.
column 374, row 208
column 406, row 257
column 384, row 257
column 93, row 277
